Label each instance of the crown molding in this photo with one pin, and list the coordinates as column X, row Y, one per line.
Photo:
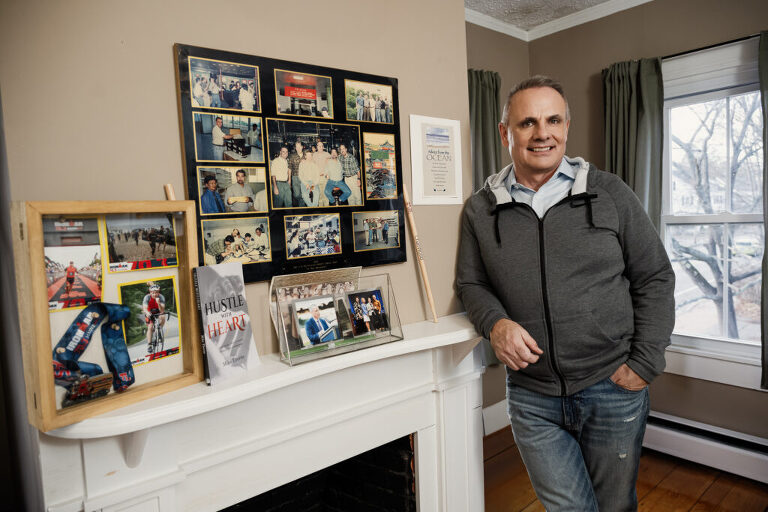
column 545, row 29
column 486, row 21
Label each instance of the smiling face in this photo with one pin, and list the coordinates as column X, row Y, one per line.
column 536, row 131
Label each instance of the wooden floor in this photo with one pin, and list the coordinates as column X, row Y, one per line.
column 665, row 484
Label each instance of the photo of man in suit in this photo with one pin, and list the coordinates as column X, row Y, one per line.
column 316, row 326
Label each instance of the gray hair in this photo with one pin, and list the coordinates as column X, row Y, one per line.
column 535, row 82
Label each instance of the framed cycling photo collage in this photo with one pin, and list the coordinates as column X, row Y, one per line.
column 104, row 326
column 293, row 167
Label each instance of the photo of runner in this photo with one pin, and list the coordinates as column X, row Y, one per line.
column 152, row 331
column 136, row 242
column 72, row 262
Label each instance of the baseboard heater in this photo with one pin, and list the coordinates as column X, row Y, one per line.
column 720, row 448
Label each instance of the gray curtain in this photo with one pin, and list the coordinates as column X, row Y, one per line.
column 763, row 72
column 633, row 93
column 484, row 117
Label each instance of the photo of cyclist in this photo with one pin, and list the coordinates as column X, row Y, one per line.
column 153, row 307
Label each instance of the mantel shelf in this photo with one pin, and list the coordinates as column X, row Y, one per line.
column 269, row 376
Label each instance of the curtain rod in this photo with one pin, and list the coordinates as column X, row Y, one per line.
column 710, row 46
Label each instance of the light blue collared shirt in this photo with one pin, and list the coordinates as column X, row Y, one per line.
column 549, row 194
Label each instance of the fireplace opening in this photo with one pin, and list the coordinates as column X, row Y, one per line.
column 379, row 480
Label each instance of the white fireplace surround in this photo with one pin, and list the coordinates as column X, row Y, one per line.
column 205, row 448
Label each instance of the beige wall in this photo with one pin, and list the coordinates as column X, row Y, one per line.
column 493, row 51
column 576, row 57
column 89, row 98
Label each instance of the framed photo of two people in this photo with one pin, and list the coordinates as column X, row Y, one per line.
column 293, row 167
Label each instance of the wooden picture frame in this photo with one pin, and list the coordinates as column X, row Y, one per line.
column 36, row 310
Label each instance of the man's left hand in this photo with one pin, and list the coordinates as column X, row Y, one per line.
column 626, row 378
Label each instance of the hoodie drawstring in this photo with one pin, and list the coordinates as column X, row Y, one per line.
column 585, row 198
column 495, row 213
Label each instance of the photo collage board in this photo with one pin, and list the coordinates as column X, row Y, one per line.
column 113, row 302
column 293, row 167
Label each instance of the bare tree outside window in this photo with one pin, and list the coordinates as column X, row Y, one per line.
column 714, row 226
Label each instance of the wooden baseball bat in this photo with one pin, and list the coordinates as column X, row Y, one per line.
column 169, row 193
column 419, row 254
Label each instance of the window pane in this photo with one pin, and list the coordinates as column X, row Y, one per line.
column 746, row 251
column 696, row 254
column 746, row 168
column 698, row 157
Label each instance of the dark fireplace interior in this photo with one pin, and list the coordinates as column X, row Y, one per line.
column 379, row 480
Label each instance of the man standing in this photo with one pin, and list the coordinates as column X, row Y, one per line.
column 210, row 201
column 217, row 139
column 280, row 176
column 360, row 103
column 239, row 196
column 214, row 89
column 316, row 326
column 293, row 164
column 351, row 173
column 560, row 267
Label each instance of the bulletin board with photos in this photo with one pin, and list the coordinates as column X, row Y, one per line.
column 293, row 167
column 104, row 325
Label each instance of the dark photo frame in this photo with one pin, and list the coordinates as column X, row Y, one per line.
column 292, row 102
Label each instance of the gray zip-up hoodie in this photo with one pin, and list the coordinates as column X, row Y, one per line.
column 590, row 281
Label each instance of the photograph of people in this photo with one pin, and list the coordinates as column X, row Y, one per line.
column 227, row 138
column 140, row 241
column 368, row 102
column 376, row 230
column 312, row 235
column 367, row 312
column 380, row 171
column 232, row 189
column 316, row 320
column 334, row 148
column 244, row 240
column 73, row 274
column 152, row 330
column 302, row 94
column 224, row 85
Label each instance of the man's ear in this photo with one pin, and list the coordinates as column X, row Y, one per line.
column 503, row 135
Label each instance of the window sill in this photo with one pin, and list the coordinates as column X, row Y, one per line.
column 734, row 364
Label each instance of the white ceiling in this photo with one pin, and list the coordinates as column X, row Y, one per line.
column 531, row 19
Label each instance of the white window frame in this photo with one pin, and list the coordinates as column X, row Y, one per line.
column 694, row 78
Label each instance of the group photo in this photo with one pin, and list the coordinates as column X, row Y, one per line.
column 232, row 190
column 224, row 85
column 367, row 312
column 376, row 230
column 369, row 102
column 244, row 240
column 314, row 164
column 137, row 241
column 303, row 94
column 227, row 138
column 380, row 171
column 312, row 235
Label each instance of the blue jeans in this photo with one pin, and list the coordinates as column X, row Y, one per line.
column 581, row 451
column 345, row 192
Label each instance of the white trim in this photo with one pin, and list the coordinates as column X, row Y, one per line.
column 710, row 428
column 550, row 27
column 713, row 367
column 585, row 16
column 488, row 22
column 495, row 417
column 705, row 451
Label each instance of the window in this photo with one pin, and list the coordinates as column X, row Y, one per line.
column 712, row 215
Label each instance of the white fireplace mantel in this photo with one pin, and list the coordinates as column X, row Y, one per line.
column 206, row 448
